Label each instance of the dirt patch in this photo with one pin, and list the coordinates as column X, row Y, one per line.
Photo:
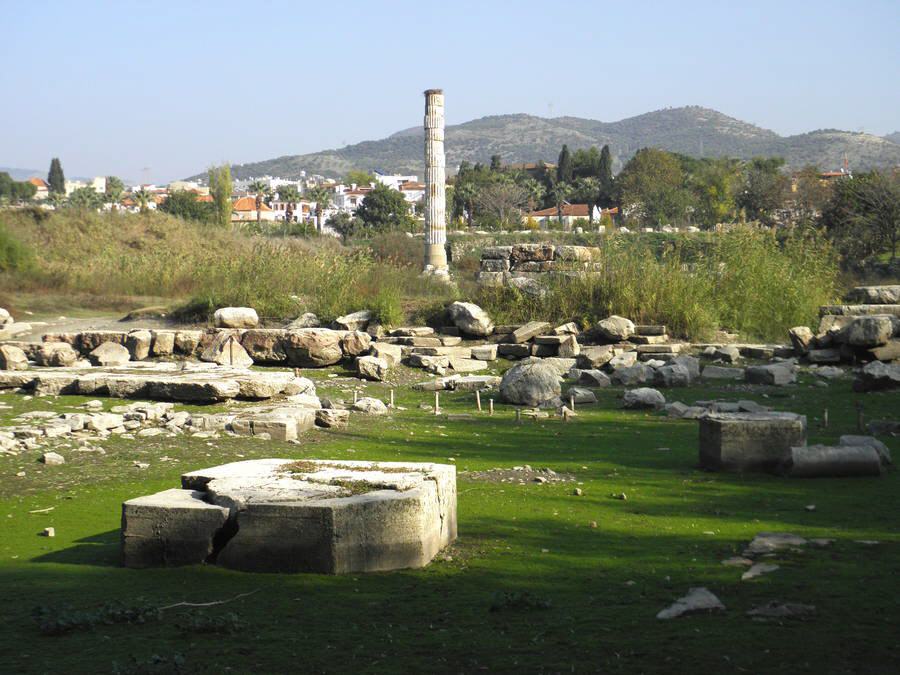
column 519, row 474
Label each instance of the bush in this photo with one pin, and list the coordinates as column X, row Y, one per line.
column 14, row 256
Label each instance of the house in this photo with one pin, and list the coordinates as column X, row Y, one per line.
column 244, row 209
column 570, row 213
column 300, row 211
column 413, row 191
column 394, row 180
column 348, row 199
column 43, row 190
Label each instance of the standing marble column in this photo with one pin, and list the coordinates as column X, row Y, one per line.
column 435, row 198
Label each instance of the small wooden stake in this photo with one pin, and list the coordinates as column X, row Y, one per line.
column 572, row 402
column 392, row 398
column 437, row 403
column 478, row 400
column 355, row 395
column 518, row 416
column 491, row 406
column 825, row 419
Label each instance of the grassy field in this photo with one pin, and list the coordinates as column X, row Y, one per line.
column 530, row 585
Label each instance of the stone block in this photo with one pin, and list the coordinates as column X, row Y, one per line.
column 749, row 441
column 170, row 528
column 515, row 351
column 529, row 330
column 776, row 374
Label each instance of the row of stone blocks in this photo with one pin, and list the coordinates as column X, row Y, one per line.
column 281, row 515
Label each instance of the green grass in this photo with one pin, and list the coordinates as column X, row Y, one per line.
column 533, row 543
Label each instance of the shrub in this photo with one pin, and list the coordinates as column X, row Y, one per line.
column 14, row 256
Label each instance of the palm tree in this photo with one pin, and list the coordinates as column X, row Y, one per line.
column 321, row 195
column 260, row 188
column 588, row 191
column 142, row 197
column 560, row 192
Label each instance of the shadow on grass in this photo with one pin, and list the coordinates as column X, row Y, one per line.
column 102, row 549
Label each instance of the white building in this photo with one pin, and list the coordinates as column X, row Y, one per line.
column 394, row 180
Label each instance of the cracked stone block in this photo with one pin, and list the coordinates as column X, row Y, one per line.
column 281, row 515
column 170, row 528
column 749, row 441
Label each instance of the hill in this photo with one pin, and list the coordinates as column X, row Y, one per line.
column 692, row 130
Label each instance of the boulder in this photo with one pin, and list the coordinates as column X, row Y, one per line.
column 615, row 328
column 532, row 383
column 883, row 452
column 580, row 395
column 109, row 354
column 594, row 378
column 307, row 320
column 355, row 343
column 372, row 368
column 264, row 345
column 672, row 375
column 728, row 354
column 56, row 354
column 471, row 319
column 801, row 338
column 236, row 317
column 697, row 600
column 370, row 406
column 527, row 285
column 824, row 355
column 867, row 331
column 629, row 376
column 568, row 347
column 12, row 358
column 529, row 330
column 187, row 341
column 643, row 398
column 354, row 321
column 392, row 354
column 722, row 373
column 623, row 360
column 875, row 295
column 690, row 363
column 313, row 347
column 777, row 374
column 299, row 385
column 877, row 376
column 138, row 343
column 332, row 418
column 594, row 357
column 225, row 350
column 484, row 352
column 5, row 318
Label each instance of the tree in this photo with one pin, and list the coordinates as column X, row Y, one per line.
column 220, row 188
column 587, row 190
column 604, row 175
column 356, row 177
column 142, row 197
column 812, row 192
column 651, row 186
column 502, row 201
column 715, row 184
column 764, row 189
column 863, row 215
column 15, row 191
column 534, row 190
column 496, row 164
column 322, row 197
column 115, row 188
column 564, row 166
column 464, row 194
column 260, row 187
column 55, row 178
column 384, row 209
column 185, row 204
column 345, row 225
column 86, row 198
column 560, row 193
column 288, row 193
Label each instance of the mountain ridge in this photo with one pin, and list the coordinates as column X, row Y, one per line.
column 520, row 137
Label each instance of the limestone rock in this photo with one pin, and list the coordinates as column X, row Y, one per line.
column 264, row 345
column 639, row 373
column 392, row 354
column 354, row 321
column 820, row 461
column 138, row 344
column 643, row 398
column 370, row 406
column 299, row 385
column 226, row 351
column 581, row 395
column 372, row 368
column 52, row 459
column 306, row 320
column 594, row 356
column 56, row 354
column 163, row 343
column 355, row 342
column 615, row 328
column 109, row 354
column 697, row 600
column 471, row 319
column 12, row 358
column 5, row 318
column 187, row 341
column 533, row 384
column 749, row 441
column 236, row 317
column 313, row 347
column 777, row 374
column 722, row 373
column 728, row 354
column 801, row 338
column 883, row 452
column 594, row 378
column 877, row 376
column 867, row 331
column 672, row 375
column 529, row 330
column 332, row 418
column 623, row 360
column 568, row 347
column 875, row 295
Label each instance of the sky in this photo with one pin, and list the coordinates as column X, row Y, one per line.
column 155, row 91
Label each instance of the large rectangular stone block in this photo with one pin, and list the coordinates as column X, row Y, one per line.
column 750, row 441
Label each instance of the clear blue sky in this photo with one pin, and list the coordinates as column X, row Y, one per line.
column 114, row 87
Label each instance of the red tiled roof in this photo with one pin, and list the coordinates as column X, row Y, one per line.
column 248, row 204
column 572, row 210
column 38, row 182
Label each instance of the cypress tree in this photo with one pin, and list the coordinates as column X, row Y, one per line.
column 604, row 175
column 564, row 166
column 56, row 179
